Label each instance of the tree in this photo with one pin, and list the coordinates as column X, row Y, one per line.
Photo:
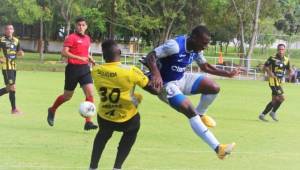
column 96, row 23
column 254, row 34
column 67, row 9
column 31, row 11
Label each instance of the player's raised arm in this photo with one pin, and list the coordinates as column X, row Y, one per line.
column 208, row 68
column 156, row 80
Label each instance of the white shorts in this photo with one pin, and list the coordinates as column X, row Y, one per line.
column 174, row 92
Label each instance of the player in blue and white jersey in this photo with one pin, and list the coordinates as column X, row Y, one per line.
column 168, row 63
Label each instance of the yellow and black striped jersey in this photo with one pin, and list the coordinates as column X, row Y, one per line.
column 277, row 66
column 115, row 84
column 9, row 47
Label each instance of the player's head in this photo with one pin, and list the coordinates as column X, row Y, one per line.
column 9, row 30
column 281, row 50
column 199, row 38
column 81, row 25
column 111, row 51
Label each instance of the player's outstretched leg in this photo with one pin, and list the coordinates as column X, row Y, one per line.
column 3, row 91
column 183, row 105
column 209, row 90
column 59, row 101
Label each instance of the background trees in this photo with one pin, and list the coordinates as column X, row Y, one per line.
column 244, row 22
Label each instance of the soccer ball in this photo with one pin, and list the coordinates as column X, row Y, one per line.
column 87, row 109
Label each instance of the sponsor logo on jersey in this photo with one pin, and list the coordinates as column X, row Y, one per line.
column 178, row 69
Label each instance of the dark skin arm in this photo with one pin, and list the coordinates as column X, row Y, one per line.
column 208, row 68
column 150, row 89
column 156, row 80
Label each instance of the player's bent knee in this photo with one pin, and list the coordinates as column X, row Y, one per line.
column 216, row 88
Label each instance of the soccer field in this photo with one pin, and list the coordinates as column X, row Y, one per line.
column 165, row 140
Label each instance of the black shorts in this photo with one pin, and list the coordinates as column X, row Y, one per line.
column 131, row 124
column 276, row 90
column 9, row 76
column 75, row 74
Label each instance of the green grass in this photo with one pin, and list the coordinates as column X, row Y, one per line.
column 165, row 141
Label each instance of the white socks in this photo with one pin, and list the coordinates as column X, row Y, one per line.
column 206, row 100
column 201, row 130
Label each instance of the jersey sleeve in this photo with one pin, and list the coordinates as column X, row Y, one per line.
column 200, row 59
column 170, row 47
column 19, row 46
column 138, row 77
column 69, row 41
column 268, row 62
column 288, row 65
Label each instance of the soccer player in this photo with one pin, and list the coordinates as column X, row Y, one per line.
column 167, row 64
column 275, row 68
column 10, row 46
column 76, row 49
column 117, row 110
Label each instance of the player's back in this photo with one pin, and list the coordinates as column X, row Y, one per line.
column 115, row 84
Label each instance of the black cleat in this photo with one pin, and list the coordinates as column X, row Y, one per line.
column 50, row 117
column 90, row 126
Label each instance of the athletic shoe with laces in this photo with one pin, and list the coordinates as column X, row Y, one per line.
column 208, row 121
column 90, row 126
column 224, row 150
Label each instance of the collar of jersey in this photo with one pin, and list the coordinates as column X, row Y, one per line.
column 9, row 38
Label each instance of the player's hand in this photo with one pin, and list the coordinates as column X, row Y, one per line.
column 91, row 60
column 2, row 60
column 20, row 53
column 235, row 72
column 156, row 82
column 84, row 59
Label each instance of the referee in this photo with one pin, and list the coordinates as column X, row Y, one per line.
column 76, row 49
column 10, row 46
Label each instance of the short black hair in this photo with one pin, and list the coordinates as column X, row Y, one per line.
column 280, row 45
column 200, row 30
column 108, row 48
column 80, row 19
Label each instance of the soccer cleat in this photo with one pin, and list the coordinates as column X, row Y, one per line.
column 274, row 116
column 16, row 112
column 224, row 150
column 90, row 126
column 208, row 121
column 50, row 117
column 262, row 117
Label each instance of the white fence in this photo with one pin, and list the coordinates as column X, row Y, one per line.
column 250, row 74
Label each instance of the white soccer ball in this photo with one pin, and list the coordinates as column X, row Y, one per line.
column 87, row 109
